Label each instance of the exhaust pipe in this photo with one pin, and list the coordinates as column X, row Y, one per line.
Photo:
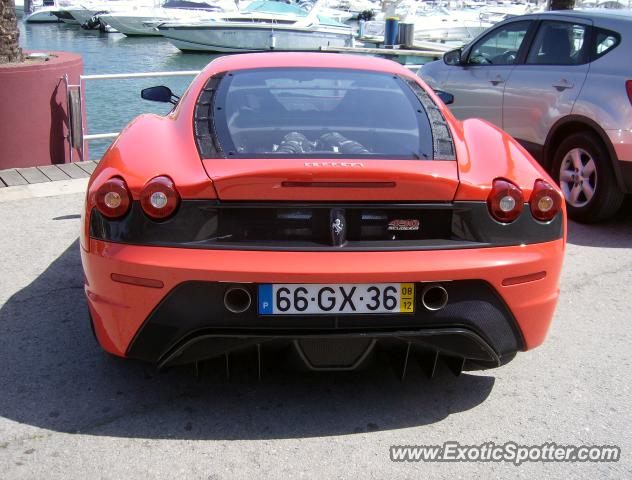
column 434, row 297
column 237, row 299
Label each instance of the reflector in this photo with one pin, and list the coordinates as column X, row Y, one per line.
column 142, row 282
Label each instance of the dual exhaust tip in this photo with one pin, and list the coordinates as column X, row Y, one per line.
column 434, row 297
column 238, row 299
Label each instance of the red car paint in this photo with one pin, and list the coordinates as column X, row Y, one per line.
column 153, row 146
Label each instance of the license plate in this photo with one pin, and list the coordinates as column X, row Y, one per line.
column 312, row 299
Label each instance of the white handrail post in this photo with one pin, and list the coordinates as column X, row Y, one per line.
column 112, row 76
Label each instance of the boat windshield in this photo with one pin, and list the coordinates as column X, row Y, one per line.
column 267, row 6
column 191, row 5
column 320, row 113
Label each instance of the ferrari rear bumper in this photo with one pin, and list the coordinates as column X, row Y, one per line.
column 501, row 300
column 192, row 322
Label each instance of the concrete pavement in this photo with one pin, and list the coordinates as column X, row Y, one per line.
column 67, row 410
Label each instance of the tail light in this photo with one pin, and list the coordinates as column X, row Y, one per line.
column 628, row 88
column 159, row 198
column 505, row 201
column 545, row 201
column 113, row 198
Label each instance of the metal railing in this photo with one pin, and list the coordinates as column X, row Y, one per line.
column 74, row 94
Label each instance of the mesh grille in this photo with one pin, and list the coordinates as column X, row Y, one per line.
column 333, row 352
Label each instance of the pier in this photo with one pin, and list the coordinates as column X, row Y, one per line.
column 47, row 173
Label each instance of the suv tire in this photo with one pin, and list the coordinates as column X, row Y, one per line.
column 583, row 169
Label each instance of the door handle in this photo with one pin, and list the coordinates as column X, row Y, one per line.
column 562, row 84
column 497, row 80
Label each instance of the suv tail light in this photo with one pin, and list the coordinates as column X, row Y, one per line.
column 545, row 201
column 628, row 88
column 159, row 198
column 505, row 201
column 113, row 198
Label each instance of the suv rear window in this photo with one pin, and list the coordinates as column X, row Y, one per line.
column 605, row 41
column 319, row 113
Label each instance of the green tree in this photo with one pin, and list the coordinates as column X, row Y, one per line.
column 10, row 50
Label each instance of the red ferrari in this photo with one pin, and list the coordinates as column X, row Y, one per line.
column 322, row 206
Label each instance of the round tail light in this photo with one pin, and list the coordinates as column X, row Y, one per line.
column 545, row 201
column 113, row 198
column 505, row 201
column 159, row 198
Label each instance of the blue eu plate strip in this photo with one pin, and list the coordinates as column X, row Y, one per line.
column 265, row 299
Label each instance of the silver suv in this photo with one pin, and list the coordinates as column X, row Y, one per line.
column 561, row 84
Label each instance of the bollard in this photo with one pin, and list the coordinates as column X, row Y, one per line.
column 406, row 35
column 390, row 32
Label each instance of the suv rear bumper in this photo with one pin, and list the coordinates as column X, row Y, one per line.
column 625, row 172
column 621, row 141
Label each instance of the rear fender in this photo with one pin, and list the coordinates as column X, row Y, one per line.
column 484, row 153
column 148, row 147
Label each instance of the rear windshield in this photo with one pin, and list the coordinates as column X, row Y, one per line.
column 320, row 113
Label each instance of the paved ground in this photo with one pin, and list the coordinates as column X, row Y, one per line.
column 68, row 410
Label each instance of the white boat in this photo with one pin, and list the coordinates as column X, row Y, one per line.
column 433, row 24
column 329, row 8
column 340, row 16
column 263, row 25
column 84, row 11
column 63, row 13
column 42, row 15
column 143, row 21
column 449, row 25
column 497, row 13
column 43, row 12
column 355, row 7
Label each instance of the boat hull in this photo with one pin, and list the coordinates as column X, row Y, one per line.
column 43, row 15
column 231, row 39
column 81, row 15
column 131, row 26
column 460, row 33
column 66, row 17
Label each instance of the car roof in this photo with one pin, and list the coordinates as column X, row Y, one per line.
column 305, row 60
column 599, row 15
column 594, row 13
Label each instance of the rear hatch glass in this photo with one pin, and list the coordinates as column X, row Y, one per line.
column 319, row 113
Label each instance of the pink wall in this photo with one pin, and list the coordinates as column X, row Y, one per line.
column 33, row 113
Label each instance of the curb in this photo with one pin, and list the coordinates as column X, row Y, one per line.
column 40, row 190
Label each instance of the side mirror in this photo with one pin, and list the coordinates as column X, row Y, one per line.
column 445, row 97
column 159, row 94
column 453, row 57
